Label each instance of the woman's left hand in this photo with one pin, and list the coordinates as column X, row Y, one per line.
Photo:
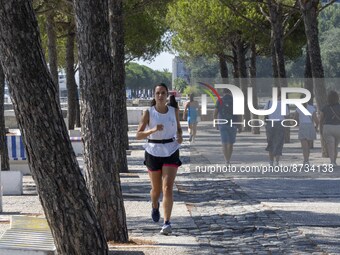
column 179, row 139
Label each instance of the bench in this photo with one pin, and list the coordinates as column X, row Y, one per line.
column 27, row 236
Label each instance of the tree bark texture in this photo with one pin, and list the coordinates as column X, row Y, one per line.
column 274, row 61
column 98, row 115
column 119, row 108
column 309, row 10
column 252, row 72
column 72, row 90
column 243, row 81
column 308, row 77
column 62, row 190
column 52, row 49
column 3, row 145
column 276, row 22
column 235, row 62
column 223, row 66
column 308, row 84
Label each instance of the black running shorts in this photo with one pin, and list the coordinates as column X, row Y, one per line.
column 156, row 163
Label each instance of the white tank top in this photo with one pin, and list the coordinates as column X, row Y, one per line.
column 169, row 131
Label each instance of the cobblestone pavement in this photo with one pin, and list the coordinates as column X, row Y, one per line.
column 224, row 219
column 212, row 214
column 229, row 222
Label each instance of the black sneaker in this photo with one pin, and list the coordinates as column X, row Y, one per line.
column 155, row 215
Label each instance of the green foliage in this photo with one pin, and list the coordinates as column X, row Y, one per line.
column 296, row 68
column 203, row 67
column 63, row 13
column 329, row 18
column 180, row 84
column 264, row 67
column 191, row 89
column 145, row 27
column 330, row 52
column 329, row 23
column 295, row 42
column 207, row 28
column 143, row 77
column 199, row 27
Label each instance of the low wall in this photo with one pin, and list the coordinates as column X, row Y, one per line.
column 11, row 120
column 11, row 182
column 134, row 116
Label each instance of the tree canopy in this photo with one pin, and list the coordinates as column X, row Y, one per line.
column 143, row 77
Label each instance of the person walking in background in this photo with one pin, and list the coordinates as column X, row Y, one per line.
column 160, row 124
column 330, row 125
column 228, row 131
column 191, row 109
column 275, row 131
column 308, row 125
column 173, row 102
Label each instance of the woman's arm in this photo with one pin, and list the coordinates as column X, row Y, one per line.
column 141, row 133
column 185, row 110
column 179, row 129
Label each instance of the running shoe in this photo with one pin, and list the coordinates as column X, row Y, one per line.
column 166, row 229
column 155, row 215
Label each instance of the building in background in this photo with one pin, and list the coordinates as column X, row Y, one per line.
column 62, row 85
column 179, row 70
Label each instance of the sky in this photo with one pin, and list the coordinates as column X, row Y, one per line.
column 162, row 61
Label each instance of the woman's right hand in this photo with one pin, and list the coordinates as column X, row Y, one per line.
column 159, row 127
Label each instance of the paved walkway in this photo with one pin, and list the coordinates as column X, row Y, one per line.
column 226, row 213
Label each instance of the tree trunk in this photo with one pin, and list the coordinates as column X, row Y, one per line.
column 223, row 66
column 308, row 78
column 235, row 62
column 276, row 22
column 308, row 84
column 274, row 62
column 62, row 190
column 252, row 71
column 98, row 115
column 309, row 12
column 242, row 70
column 118, row 57
column 52, row 49
column 3, row 145
column 72, row 90
column 280, row 52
